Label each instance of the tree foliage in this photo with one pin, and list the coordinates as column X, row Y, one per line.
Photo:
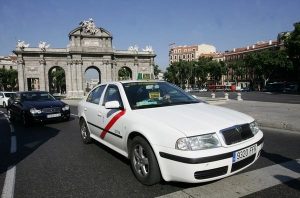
column 57, row 80
column 8, row 79
column 194, row 73
column 267, row 62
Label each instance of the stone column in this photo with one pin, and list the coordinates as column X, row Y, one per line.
column 69, row 83
column 21, row 74
column 43, row 78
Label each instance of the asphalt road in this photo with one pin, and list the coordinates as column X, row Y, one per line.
column 52, row 161
column 256, row 96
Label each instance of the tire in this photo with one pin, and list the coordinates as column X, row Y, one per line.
column 143, row 162
column 85, row 133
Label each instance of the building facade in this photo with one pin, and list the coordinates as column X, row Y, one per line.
column 8, row 62
column 237, row 54
column 89, row 47
column 190, row 53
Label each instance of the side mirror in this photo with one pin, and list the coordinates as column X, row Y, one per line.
column 112, row 105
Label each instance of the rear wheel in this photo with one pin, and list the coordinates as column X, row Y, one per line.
column 143, row 162
column 85, row 133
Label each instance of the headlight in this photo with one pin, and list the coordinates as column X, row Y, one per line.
column 66, row 108
column 254, row 127
column 35, row 111
column 198, row 142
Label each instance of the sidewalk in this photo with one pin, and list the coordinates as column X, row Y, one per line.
column 274, row 115
column 267, row 114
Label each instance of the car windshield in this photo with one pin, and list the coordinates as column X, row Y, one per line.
column 143, row 95
column 8, row 95
column 35, row 96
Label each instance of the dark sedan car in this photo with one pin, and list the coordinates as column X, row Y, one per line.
column 37, row 106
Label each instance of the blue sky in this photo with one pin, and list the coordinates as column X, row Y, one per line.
column 224, row 24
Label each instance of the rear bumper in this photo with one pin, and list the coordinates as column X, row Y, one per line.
column 208, row 168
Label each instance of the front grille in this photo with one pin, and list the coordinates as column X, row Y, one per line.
column 211, row 173
column 237, row 134
column 51, row 110
column 238, row 165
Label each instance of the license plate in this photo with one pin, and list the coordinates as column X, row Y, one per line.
column 244, row 153
column 54, row 115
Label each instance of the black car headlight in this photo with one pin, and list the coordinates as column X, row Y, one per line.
column 66, row 108
column 35, row 111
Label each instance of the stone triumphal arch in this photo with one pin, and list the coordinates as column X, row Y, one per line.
column 89, row 47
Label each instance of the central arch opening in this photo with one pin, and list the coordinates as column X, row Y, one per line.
column 92, row 77
column 57, row 80
column 124, row 73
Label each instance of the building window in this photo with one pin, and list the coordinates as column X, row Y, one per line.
column 184, row 50
column 10, row 67
column 179, row 51
column 183, row 56
column 175, row 57
column 171, row 57
column 192, row 55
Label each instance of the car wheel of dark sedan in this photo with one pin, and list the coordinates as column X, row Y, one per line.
column 85, row 133
column 143, row 162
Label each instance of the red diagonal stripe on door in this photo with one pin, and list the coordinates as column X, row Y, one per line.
column 111, row 123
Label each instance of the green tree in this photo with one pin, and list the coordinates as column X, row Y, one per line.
column 156, row 70
column 238, row 69
column 216, row 70
column 8, row 79
column 268, row 62
column 58, row 80
column 292, row 44
column 124, row 73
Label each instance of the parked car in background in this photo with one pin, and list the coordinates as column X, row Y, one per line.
column 168, row 134
column 37, row 106
column 4, row 97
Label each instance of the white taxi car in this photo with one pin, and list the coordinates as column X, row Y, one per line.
column 167, row 133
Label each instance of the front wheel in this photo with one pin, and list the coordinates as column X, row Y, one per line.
column 143, row 162
column 85, row 133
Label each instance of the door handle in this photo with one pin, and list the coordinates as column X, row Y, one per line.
column 99, row 114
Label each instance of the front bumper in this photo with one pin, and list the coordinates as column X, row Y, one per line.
column 43, row 117
column 211, row 167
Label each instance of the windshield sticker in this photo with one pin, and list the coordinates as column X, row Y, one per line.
column 146, row 102
column 154, row 95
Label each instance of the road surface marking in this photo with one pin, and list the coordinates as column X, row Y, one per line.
column 245, row 183
column 74, row 115
column 9, row 183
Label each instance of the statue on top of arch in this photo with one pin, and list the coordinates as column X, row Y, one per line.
column 89, row 26
column 148, row 49
column 43, row 45
column 21, row 44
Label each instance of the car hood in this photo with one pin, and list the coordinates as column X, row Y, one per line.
column 195, row 119
column 43, row 104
